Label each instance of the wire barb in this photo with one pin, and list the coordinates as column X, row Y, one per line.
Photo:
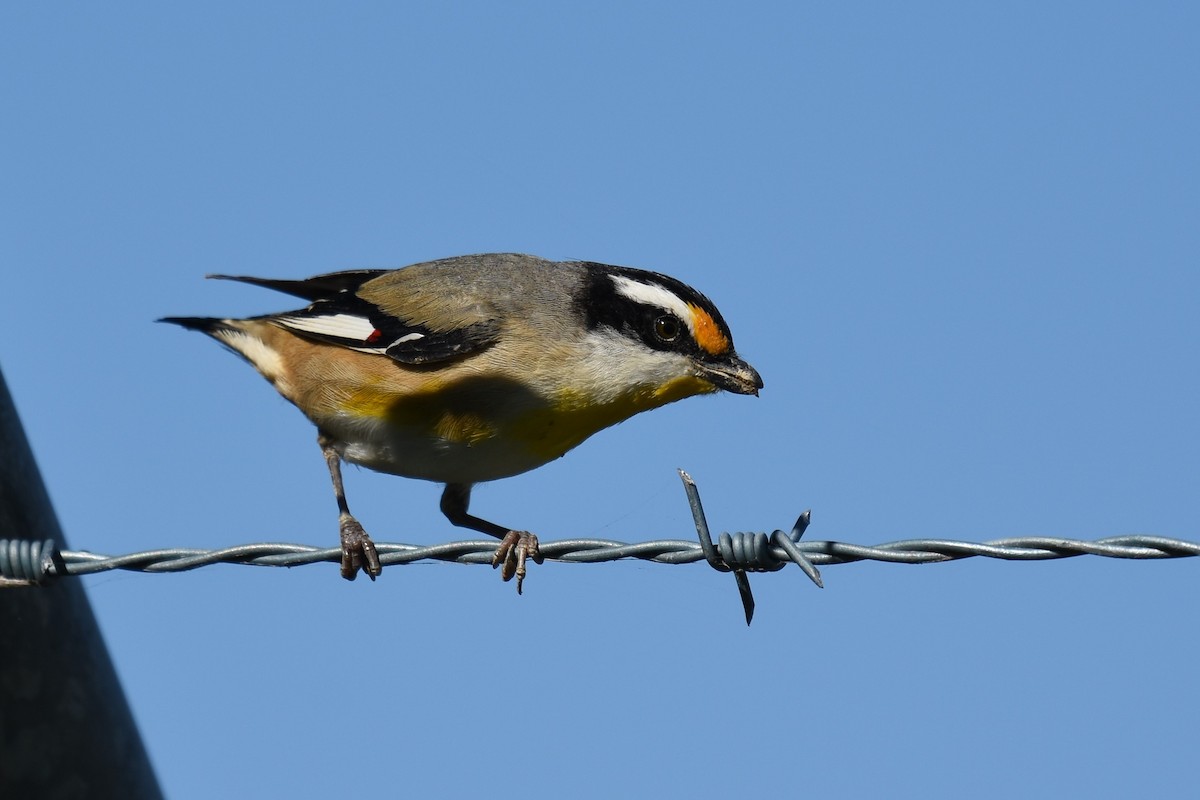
column 740, row 553
column 26, row 563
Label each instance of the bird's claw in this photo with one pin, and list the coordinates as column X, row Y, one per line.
column 514, row 548
column 358, row 551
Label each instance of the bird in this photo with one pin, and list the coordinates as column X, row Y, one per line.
column 478, row 367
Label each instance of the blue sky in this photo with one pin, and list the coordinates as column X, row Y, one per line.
column 959, row 241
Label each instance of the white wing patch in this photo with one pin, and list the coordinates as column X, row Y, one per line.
column 655, row 295
column 348, row 327
column 409, row 337
column 343, row 326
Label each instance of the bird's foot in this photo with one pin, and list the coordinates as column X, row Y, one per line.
column 358, row 551
column 515, row 547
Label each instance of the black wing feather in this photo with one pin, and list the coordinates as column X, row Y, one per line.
column 433, row 348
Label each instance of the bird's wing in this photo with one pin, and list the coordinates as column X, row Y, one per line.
column 319, row 287
column 410, row 315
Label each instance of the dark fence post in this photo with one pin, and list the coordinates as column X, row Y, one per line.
column 65, row 728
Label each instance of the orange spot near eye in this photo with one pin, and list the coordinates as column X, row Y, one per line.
column 708, row 333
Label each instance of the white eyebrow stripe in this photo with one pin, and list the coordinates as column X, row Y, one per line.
column 344, row 326
column 655, row 295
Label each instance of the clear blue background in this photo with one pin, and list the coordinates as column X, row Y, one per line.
column 959, row 241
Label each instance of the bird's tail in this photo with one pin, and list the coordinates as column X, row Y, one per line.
column 246, row 337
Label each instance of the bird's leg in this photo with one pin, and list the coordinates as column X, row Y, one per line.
column 358, row 551
column 515, row 546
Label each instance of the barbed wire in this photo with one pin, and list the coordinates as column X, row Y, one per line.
column 25, row 563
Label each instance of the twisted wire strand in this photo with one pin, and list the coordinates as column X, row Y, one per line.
column 19, row 561
column 23, row 563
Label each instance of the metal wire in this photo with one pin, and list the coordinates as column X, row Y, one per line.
column 591, row 551
column 25, row 563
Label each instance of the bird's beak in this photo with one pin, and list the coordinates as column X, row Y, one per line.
column 733, row 375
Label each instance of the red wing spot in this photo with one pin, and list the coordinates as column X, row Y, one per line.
column 375, row 336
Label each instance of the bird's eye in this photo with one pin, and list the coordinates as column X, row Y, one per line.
column 666, row 328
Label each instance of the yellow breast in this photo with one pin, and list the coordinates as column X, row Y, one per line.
column 471, row 412
column 552, row 431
